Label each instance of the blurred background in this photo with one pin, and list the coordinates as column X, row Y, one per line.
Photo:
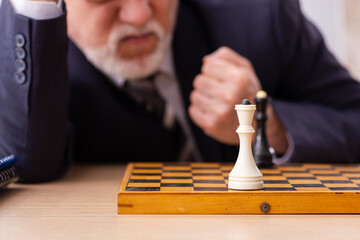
column 339, row 22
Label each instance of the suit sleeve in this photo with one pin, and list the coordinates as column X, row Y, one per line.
column 318, row 101
column 33, row 93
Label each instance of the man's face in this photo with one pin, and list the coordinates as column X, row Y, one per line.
column 123, row 38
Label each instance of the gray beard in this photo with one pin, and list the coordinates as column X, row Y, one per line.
column 104, row 58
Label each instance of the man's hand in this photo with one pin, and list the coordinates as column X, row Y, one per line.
column 226, row 79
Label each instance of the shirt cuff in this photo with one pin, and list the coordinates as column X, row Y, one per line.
column 291, row 145
column 38, row 10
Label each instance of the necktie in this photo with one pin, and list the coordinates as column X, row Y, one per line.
column 145, row 93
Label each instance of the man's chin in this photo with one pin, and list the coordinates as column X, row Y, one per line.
column 137, row 60
column 138, row 68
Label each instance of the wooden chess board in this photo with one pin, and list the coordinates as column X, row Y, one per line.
column 201, row 188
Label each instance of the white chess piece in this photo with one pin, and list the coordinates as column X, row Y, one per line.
column 245, row 175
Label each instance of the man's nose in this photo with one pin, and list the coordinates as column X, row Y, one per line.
column 135, row 12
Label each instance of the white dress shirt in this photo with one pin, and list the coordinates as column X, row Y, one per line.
column 36, row 9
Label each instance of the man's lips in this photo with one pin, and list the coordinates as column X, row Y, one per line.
column 137, row 39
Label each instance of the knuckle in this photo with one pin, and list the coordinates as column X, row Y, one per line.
column 224, row 50
column 197, row 81
column 222, row 114
column 194, row 96
column 206, row 66
column 192, row 111
column 234, row 75
column 210, row 124
column 231, row 97
column 242, row 81
column 200, row 82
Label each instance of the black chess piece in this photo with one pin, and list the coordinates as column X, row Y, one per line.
column 261, row 150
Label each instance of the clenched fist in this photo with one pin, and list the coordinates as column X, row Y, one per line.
column 226, row 79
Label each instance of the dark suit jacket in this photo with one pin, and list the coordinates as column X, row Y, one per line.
column 314, row 96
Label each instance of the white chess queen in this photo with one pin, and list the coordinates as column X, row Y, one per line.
column 245, row 175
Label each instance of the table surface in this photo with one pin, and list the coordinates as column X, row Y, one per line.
column 83, row 205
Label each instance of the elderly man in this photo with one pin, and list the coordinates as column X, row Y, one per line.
column 150, row 80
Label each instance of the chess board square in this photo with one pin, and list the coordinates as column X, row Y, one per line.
column 146, row 174
column 322, row 172
column 176, row 189
column 148, row 165
column 146, row 171
column 210, row 185
column 225, row 176
column 274, row 178
column 306, row 181
column 327, row 174
column 331, row 178
column 210, row 181
column 293, row 174
column 211, row 189
column 299, row 178
column 279, row 189
column 272, row 174
column 277, row 185
column 276, row 181
column 341, row 185
column 226, row 168
column 176, row 171
column 294, row 168
column 352, row 175
column 144, row 181
column 208, row 177
column 142, row 189
column 176, row 180
column 270, row 171
column 308, row 185
column 134, row 184
column 348, row 169
column 207, row 171
column 176, row 177
column 207, row 174
column 355, row 189
column 176, row 184
column 312, row 189
column 156, row 177
column 177, row 174
column 177, row 168
column 336, row 181
column 148, row 168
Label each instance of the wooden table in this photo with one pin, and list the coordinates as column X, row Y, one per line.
column 83, row 205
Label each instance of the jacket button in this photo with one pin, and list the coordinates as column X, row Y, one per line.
column 20, row 65
column 20, row 77
column 20, row 53
column 19, row 40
